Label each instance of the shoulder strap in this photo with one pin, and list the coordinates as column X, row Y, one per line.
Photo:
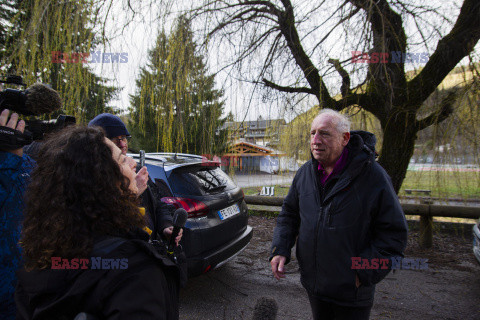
column 107, row 245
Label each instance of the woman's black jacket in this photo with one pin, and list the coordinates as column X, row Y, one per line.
column 144, row 286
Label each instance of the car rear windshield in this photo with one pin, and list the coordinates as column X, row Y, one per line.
column 194, row 180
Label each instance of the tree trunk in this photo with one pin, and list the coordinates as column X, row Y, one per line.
column 399, row 135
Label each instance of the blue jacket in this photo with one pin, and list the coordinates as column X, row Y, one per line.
column 14, row 177
column 357, row 214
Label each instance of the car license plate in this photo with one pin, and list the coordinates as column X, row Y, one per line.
column 228, row 212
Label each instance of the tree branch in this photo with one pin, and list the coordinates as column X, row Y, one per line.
column 272, row 8
column 238, row 18
column 286, row 23
column 387, row 80
column 344, row 89
column 450, row 50
column 445, row 110
column 287, row 89
column 364, row 100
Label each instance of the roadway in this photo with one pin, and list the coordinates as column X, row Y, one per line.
column 263, row 179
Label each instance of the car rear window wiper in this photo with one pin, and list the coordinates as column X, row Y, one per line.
column 220, row 187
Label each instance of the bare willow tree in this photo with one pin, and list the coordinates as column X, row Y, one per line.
column 291, row 48
column 287, row 47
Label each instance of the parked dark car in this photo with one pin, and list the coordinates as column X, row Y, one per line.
column 217, row 226
column 476, row 240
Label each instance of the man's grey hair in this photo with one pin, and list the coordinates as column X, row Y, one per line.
column 343, row 124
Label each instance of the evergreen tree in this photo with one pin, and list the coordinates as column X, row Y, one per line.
column 33, row 30
column 176, row 108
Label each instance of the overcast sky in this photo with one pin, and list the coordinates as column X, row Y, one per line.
column 139, row 36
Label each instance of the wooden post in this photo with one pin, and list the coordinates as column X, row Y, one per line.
column 426, row 222
column 426, row 230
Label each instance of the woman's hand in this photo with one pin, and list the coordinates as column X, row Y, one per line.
column 167, row 232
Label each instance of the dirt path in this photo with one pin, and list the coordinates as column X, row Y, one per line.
column 448, row 289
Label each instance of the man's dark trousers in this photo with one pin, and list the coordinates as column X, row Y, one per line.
column 328, row 311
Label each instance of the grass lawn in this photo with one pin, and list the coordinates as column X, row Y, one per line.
column 443, row 184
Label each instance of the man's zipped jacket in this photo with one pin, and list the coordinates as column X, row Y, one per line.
column 355, row 215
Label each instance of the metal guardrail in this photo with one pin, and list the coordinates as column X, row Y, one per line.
column 426, row 211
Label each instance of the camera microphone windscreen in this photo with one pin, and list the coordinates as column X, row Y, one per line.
column 41, row 99
column 265, row 309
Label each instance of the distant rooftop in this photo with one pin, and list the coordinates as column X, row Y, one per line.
column 260, row 123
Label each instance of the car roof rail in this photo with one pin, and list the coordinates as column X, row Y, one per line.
column 185, row 159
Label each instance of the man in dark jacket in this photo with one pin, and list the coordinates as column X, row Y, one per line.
column 15, row 168
column 158, row 213
column 343, row 209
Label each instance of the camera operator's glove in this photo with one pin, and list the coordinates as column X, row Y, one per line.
column 11, row 139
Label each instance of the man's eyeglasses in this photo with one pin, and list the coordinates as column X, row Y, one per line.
column 124, row 139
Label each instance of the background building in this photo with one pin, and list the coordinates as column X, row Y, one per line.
column 254, row 145
column 262, row 132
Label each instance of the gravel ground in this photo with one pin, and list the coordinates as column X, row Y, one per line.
column 448, row 289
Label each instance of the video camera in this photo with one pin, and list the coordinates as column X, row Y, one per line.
column 36, row 100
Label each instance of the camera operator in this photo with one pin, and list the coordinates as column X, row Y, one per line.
column 15, row 168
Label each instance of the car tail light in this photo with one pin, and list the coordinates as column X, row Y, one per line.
column 193, row 207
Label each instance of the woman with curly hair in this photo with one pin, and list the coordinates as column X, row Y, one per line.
column 83, row 245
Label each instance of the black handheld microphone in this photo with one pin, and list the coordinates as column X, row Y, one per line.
column 142, row 158
column 179, row 219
